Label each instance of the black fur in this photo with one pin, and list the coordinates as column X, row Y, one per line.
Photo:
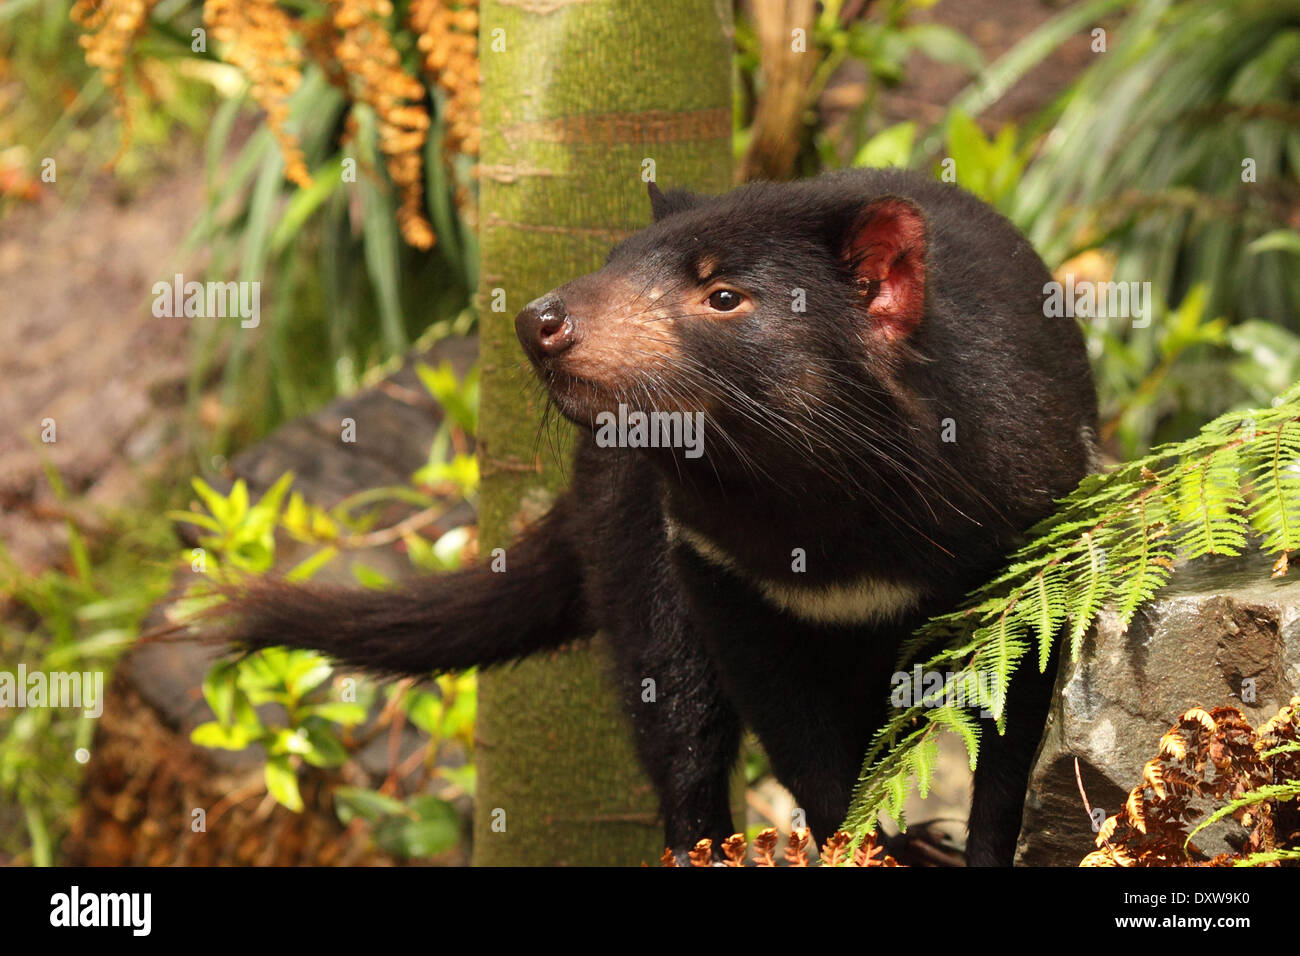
column 822, row 433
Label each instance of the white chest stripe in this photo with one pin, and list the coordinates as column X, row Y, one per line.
column 867, row 600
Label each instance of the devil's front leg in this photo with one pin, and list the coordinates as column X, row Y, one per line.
column 805, row 689
column 1002, row 774
column 687, row 734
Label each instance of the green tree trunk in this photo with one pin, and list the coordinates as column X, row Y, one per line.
column 576, row 97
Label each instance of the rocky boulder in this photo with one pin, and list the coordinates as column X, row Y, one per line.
column 1222, row 632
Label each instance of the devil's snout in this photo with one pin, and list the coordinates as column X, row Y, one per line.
column 544, row 327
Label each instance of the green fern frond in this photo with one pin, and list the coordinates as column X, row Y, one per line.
column 1271, row 856
column 1210, row 508
column 1087, row 591
column 899, row 785
column 1143, row 557
column 1275, row 791
column 1001, row 651
column 1275, row 467
column 1048, row 609
column 1284, row 749
column 887, row 759
column 1114, row 542
column 961, row 723
column 921, row 763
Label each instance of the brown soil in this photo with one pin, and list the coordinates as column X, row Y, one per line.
column 80, row 346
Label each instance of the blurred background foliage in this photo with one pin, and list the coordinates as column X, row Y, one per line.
column 339, row 139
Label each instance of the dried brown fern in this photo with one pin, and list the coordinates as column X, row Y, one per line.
column 733, row 850
column 1211, row 761
column 835, row 852
column 869, row 854
column 796, row 847
column 702, row 853
column 765, row 847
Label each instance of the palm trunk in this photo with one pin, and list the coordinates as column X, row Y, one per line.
column 576, row 96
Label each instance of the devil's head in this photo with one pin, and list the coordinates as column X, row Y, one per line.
column 779, row 312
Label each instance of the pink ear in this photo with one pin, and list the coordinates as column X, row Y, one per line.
column 885, row 247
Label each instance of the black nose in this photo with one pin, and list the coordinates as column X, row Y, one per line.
column 544, row 327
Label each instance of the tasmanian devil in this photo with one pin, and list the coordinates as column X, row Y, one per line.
column 862, row 406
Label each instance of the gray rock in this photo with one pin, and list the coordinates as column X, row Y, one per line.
column 1221, row 633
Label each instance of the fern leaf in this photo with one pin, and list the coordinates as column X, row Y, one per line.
column 921, row 763
column 961, row 723
column 1086, row 595
column 1045, row 609
column 1272, row 464
column 898, row 788
column 1276, row 791
column 1143, row 558
column 1002, row 652
column 1210, row 508
column 1271, row 856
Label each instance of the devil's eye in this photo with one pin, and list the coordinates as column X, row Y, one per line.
column 724, row 300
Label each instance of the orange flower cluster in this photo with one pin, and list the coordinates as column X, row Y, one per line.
column 111, row 27
column 257, row 37
column 318, row 39
column 448, row 38
column 365, row 51
column 354, row 46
